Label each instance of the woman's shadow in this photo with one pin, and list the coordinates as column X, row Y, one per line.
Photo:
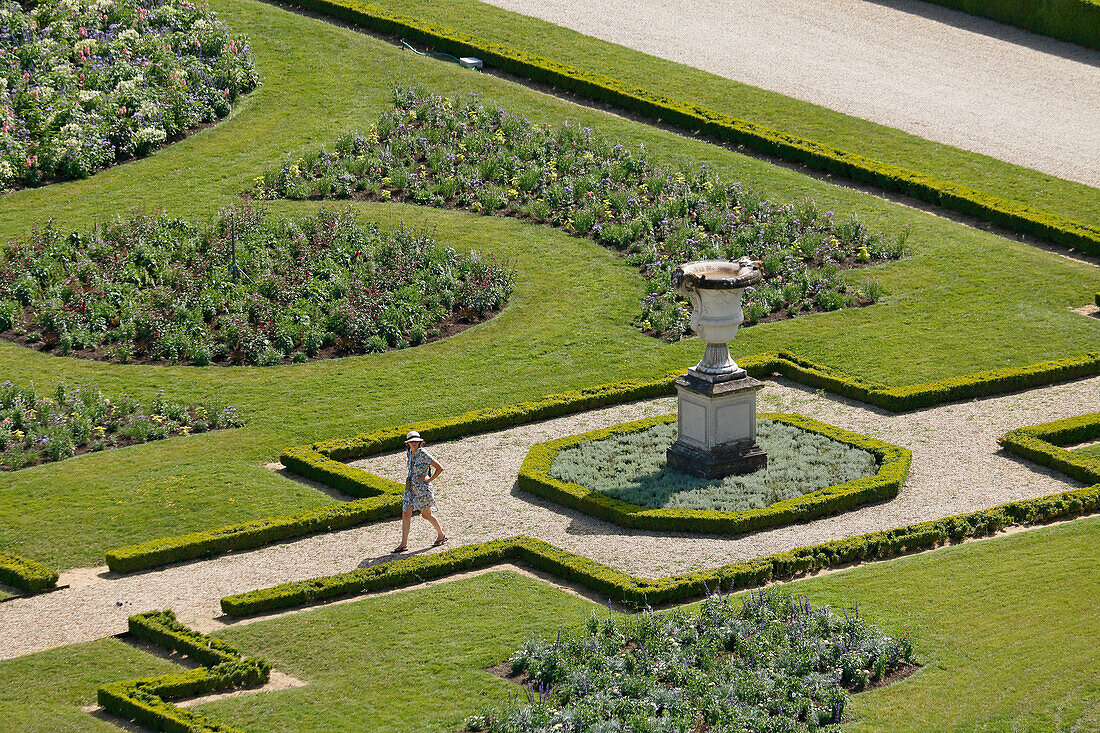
column 391, row 556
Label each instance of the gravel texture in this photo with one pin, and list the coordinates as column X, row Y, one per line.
column 957, row 467
column 934, row 72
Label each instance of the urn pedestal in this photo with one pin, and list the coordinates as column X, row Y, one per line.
column 716, row 399
column 717, row 428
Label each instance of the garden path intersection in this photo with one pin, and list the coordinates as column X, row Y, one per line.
column 957, row 467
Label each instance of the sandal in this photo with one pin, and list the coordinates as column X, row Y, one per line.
column 439, row 542
column 399, row 549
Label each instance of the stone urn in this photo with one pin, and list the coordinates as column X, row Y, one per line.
column 716, row 399
column 715, row 289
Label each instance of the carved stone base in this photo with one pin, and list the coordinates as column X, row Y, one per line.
column 720, row 461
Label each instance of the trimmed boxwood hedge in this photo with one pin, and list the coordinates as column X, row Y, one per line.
column 918, row 396
column 1043, row 444
column 146, row 701
column 893, row 468
column 1075, row 21
column 640, row 592
column 324, row 461
column 26, row 575
column 695, row 117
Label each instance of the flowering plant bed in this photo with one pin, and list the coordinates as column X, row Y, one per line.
column 38, row 429
column 462, row 154
column 86, row 85
column 772, row 663
column 248, row 288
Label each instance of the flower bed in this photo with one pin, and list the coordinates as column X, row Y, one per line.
column 772, row 663
column 462, row 154
column 38, row 429
column 86, row 85
column 891, row 467
column 249, row 288
column 631, row 466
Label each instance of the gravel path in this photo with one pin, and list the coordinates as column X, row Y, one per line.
column 956, row 468
column 937, row 73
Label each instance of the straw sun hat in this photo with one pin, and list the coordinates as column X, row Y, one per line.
column 412, row 436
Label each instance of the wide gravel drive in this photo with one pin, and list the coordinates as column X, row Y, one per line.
column 937, row 73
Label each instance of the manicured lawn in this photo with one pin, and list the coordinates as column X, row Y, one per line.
column 963, row 301
column 760, row 106
column 414, row 661
column 44, row 692
column 1004, row 629
column 1092, row 451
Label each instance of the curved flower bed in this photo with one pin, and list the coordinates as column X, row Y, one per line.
column 773, row 664
column 40, row 429
column 248, row 288
column 86, row 85
column 461, row 154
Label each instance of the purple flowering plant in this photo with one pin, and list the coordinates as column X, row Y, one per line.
column 772, row 663
column 86, row 85
column 460, row 153
column 36, row 428
column 246, row 288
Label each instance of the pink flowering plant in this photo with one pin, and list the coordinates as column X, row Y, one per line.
column 462, row 154
column 246, row 288
column 86, row 85
column 38, row 428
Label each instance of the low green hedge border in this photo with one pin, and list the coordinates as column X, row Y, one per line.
column 689, row 116
column 28, row 576
column 918, row 396
column 146, row 701
column 1043, row 444
column 893, row 468
column 639, row 592
column 1075, row 21
column 1097, row 298
column 324, row 461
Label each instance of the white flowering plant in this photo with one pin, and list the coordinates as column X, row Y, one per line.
column 84, row 85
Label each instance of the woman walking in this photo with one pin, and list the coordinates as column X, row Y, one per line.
column 423, row 469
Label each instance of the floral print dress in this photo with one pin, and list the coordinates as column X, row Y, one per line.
column 418, row 492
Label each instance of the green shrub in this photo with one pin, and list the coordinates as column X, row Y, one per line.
column 162, row 628
column 27, row 575
column 146, row 701
column 1044, row 444
column 1076, row 21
